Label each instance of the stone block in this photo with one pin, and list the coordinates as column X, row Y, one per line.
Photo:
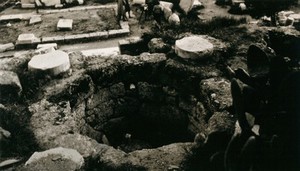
column 65, row 24
column 165, row 4
column 47, row 3
column 186, row 5
column 55, row 159
column 59, row 6
column 124, row 25
column 44, row 50
column 35, row 19
column 167, row 13
column 102, row 34
column 10, row 86
column 119, row 32
column 28, row 6
column 6, row 47
column 138, row 2
column 11, row 17
column 54, row 45
column 53, row 39
column 27, row 39
column 104, row 52
column 54, row 62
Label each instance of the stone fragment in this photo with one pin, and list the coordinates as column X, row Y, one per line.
column 29, row 6
column 167, row 13
column 218, row 93
column 8, row 163
column 47, row 3
column 4, row 134
column 193, row 47
column 35, row 19
column 54, row 45
column 59, row 6
column 44, row 50
column 65, row 24
column 55, row 62
column 6, row 47
column 186, row 5
column 295, row 16
column 104, row 52
column 174, row 19
column 138, row 2
column 165, row 4
column 10, row 86
column 27, row 39
column 157, row 45
column 55, row 159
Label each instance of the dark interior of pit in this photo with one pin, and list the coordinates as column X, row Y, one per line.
column 138, row 107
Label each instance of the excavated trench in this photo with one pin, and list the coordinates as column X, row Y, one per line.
column 137, row 105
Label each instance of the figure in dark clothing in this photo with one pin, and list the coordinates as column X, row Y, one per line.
column 123, row 7
column 151, row 4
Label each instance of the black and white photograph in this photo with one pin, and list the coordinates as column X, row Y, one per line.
column 149, row 85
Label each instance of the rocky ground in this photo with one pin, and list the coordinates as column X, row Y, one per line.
column 157, row 111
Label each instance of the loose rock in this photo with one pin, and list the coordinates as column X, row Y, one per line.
column 55, row 159
column 10, row 86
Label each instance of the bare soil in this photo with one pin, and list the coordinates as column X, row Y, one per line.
column 83, row 22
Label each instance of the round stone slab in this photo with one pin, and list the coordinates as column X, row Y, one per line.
column 54, row 62
column 195, row 46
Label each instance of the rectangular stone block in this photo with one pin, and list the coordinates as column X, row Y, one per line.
column 124, row 25
column 28, row 6
column 6, row 47
column 54, row 45
column 64, row 24
column 11, row 17
column 104, row 52
column 99, row 35
column 59, row 6
column 35, row 19
column 119, row 32
column 52, row 39
column 26, row 39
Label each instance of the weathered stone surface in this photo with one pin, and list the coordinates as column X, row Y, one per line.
column 44, row 50
column 217, row 93
column 198, row 47
column 186, row 5
column 167, row 12
column 4, row 134
column 54, row 45
column 35, row 19
column 65, row 24
column 54, row 62
column 9, row 162
column 174, row 19
column 161, row 158
column 47, row 3
column 29, row 6
column 221, row 122
column 10, row 86
column 104, row 52
column 296, row 17
column 140, row 2
column 193, row 47
column 157, row 45
column 165, row 4
column 27, row 39
column 55, row 159
column 6, row 47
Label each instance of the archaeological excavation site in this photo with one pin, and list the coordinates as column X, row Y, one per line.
column 136, row 85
